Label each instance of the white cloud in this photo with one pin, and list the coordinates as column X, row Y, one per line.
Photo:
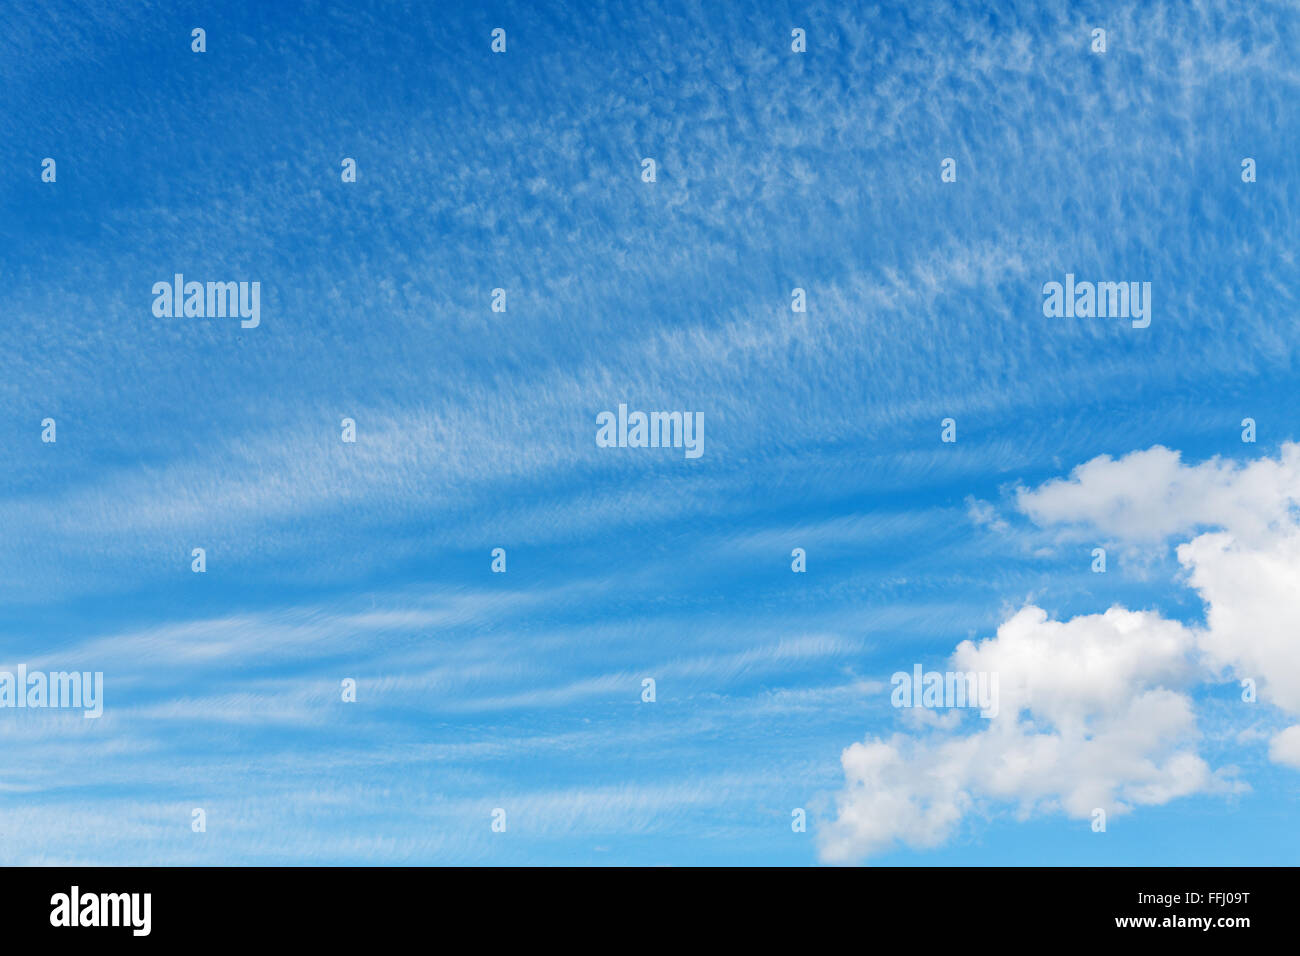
column 1252, row 598
column 1150, row 496
column 1244, row 564
column 1091, row 716
column 1094, row 711
column 1285, row 747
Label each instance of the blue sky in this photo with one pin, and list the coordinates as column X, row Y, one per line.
column 476, row 430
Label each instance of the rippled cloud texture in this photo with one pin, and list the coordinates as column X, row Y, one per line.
column 476, row 429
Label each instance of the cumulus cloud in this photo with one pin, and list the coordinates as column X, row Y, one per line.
column 1285, row 747
column 1244, row 562
column 1252, row 610
column 1092, row 715
column 1150, row 496
column 1096, row 711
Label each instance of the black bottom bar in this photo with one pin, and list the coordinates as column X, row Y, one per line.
column 650, row 907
